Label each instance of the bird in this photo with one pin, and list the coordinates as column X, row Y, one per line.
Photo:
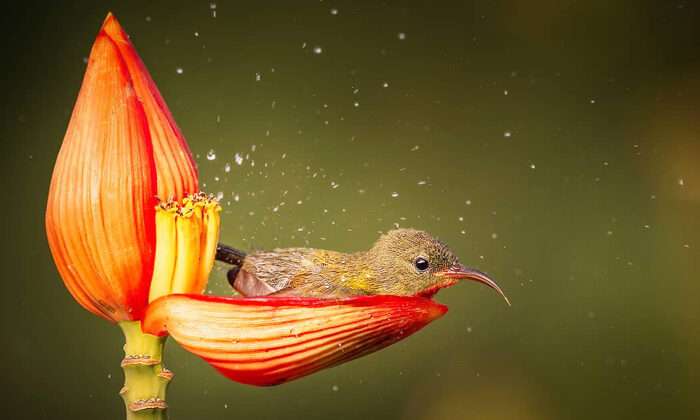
column 402, row 262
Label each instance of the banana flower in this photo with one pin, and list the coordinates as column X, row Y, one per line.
column 134, row 241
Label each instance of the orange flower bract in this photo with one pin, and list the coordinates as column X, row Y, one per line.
column 121, row 150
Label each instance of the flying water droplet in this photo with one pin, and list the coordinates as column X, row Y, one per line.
column 211, row 154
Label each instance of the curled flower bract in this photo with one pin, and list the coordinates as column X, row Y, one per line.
column 273, row 340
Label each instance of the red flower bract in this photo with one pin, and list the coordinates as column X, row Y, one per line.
column 269, row 341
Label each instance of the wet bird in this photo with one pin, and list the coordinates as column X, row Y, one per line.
column 403, row 262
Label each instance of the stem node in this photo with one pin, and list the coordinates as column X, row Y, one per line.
column 145, row 378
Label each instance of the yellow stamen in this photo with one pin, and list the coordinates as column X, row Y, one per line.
column 186, row 236
column 208, row 241
column 166, row 252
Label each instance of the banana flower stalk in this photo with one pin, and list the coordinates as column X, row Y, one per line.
column 134, row 241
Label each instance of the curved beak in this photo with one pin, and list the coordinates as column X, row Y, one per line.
column 459, row 272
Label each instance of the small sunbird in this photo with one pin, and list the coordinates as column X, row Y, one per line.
column 403, row 262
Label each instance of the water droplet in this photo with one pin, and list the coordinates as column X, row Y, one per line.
column 394, row 194
column 505, row 92
column 220, row 195
column 211, row 154
column 468, row 202
column 238, row 159
column 212, row 5
column 335, row 388
column 532, row 166
column 356, row 104
column 227, row 167
column 318, row 49
column 179, row 70
column 402, row 36
column 385, row 84
column 681, row 182
column 257, row 77
column 334, row 11
column 494, row 235
column 414, row 148
column 421, row 182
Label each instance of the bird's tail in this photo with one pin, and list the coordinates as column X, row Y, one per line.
column 229, row 254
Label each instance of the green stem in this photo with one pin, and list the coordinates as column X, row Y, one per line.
column 145, row 378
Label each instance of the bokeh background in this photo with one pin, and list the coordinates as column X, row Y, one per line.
column 553, row 144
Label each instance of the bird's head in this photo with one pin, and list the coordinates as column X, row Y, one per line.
column 411, row 262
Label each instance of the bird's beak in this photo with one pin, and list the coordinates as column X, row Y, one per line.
column 459, row 272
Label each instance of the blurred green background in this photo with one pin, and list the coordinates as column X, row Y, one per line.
column 553, row 144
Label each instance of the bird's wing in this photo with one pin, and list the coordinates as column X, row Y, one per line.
column 279, row 267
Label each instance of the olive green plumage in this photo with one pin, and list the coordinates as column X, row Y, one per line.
column 402, row 262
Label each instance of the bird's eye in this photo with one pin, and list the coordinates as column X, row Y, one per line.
column 421, row 264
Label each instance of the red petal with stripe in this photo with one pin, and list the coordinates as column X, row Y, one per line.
column 269, row 341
